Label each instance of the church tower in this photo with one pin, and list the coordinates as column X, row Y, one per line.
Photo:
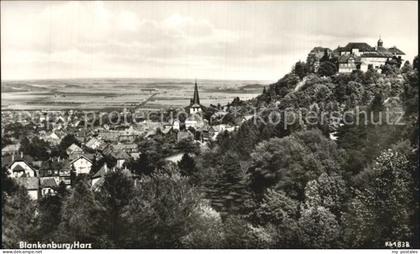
column 195, row 106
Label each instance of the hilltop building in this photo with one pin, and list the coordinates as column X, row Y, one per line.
column 315, row 56
column 362, row 56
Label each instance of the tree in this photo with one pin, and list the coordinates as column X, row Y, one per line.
column 114, row 195
column 410, row 92
column 281, row 213
column 18, row 219
column 81, row 217
column 188, row 146
column 318, row 228
column 143, row 166
column 300, row 69
column 327, row 191
column 416, row 62
column 67, row 141
column 187, row 165
column 241, row 234
column 37, row 148
column 377, row 104
column 228, row 191
column 207, row 222
column 384, row 208
column 327, row 68
column 50, row 209
column 8, row 185
column 160, row 212
column 406, row 67
column 289, row 163
column 325, row 57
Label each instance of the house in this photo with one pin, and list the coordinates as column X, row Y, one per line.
column 10, row 149
column 166, row 128
column 94, row 143
column 64, row 175
column 51, row 167
column 362, row 56
column 81, row 165
column 73, row 149
column 121, row 157
column 128, row 148
column 135, row 156
column 37, row 164
column 82, row 135
column 126, row 137
column 31, row 184
column 53, row 138
column 48, row 186
column 108, row 150
column 102, row 147
column 194, row 121
column 248, row 117
column 176, row 125
column 21, row 167
column 111, row 136
column 349, row 63
column 98, row 177
column 211, row 132
column 207, row 132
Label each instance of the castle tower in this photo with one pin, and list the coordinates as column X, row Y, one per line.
column 195, row 106
column 380, row 43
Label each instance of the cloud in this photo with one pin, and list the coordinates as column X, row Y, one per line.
column 255, row 40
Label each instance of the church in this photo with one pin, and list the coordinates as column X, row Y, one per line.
column 195, row 106
column 194, row 110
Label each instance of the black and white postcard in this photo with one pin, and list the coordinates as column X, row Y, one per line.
column 209, row 125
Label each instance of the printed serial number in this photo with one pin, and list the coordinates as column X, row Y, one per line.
column 397, row 244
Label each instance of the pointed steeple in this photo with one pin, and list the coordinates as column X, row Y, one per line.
column 196, row 98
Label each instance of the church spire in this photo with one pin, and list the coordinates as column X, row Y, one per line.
column 196, row 98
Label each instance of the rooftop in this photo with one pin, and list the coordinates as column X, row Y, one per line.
column 362, row 46
column 30, row 183
column 48, row 182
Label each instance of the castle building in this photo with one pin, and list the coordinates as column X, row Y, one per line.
column 361, row 56
column 195, row 106
column 315, row 56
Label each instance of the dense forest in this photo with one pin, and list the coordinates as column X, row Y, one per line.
column 261, row 186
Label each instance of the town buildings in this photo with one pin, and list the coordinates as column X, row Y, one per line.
column 96, row 150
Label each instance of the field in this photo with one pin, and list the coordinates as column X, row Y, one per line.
column 96, row 94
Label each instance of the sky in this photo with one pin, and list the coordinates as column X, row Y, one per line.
column 242, row 40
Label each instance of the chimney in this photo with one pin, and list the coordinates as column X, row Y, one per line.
column 13, row 156
column 21, row 155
